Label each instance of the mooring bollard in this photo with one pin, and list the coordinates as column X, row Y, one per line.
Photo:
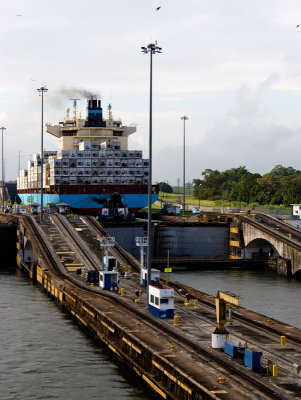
column 176, row 320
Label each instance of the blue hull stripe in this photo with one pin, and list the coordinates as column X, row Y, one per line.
column 86, row 201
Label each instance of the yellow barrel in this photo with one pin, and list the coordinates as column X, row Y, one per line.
column 121, row 291
column 172, row 347
column 176, row 320
column 195, row 301
column 282, row 338
column 290, row 235
column 275, row 370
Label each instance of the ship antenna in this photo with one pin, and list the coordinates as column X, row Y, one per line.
column 110, row 119
column 68, row 114
column 75, row 108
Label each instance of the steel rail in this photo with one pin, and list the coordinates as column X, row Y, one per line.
column 270, row 231
column 176, row 285
column 248, row 376
column 127, row 258
column 76, row 242
column 43, row 244
column 281, row 225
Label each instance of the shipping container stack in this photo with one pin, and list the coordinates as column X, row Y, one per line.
column 30, row 178
column 93, row 163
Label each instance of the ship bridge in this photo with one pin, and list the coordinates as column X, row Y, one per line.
column 94, row 127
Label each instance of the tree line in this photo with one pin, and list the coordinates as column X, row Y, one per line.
column 280, row 186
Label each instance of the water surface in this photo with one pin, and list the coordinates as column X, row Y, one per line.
column 262, row 291
column 44, row 354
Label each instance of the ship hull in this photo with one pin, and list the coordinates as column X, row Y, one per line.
column 87, row 202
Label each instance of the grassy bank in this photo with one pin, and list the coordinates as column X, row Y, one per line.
column 189, row 199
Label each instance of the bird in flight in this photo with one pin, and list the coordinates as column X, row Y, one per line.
column 297, row 26
column 19, row 15
column 158, row 8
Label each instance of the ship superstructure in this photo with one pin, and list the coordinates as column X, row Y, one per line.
column 92, row 163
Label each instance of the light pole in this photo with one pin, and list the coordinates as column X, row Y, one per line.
column 2, row 163
column 184, row 118
column 151, row 49
column 41, row 91
column 199, row 195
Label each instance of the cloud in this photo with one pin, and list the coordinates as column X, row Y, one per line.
column 248, row 134
column 209, row 50
column 249, row 124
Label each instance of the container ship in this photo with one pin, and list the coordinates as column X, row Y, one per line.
column 92, row 168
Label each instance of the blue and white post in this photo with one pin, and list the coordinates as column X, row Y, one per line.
column 108, row 280
column 105, row 244
column 142, row 243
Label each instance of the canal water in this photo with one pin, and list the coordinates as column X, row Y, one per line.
column 45, row 355
column 262, row 291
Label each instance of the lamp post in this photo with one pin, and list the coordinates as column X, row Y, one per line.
column 199, row 195
column 184, row 118
column 151, row 49
column 41, row 91
column 2, row 163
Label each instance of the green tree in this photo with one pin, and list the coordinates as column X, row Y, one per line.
column 197, row 188
column 165, row 187
column 282, row 185
column 279, row 170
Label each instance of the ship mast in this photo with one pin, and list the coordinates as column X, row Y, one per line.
column 75, row 108
column 110, row 115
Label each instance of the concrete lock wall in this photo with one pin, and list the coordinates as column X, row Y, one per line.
column 181, row 241
column 28, row 254
column 192, row 241
column 285, row 251
column 126, row 237
column 259, row 248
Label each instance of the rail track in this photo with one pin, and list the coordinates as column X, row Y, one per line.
column 276, row 228
column 197, row 348
column 117, row 249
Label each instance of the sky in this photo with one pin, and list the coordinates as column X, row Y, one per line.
column 233, row 67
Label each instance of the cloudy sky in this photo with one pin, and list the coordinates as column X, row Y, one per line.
column 233, row 67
